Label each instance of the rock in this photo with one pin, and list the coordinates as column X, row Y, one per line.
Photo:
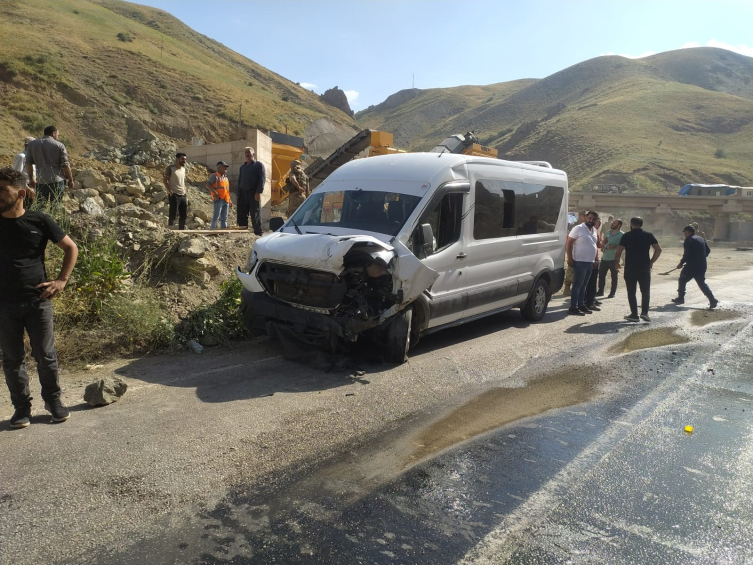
column 149, row 225
column 146, row 215
column 158, row 186
column 209, row 341
column 128, row 210
column 109, row 200
column 79, row 195
column 135, row 188
column 92, row 179
column 135, row 173
column 141, row 203
column 159, row 196
column 137, row 131
column 208, row 266
column 199, row 222
column 337, row 98
column 123, row 199
column 94, row 235
column 193, row 247
column 110, row 176
column 104, row 391
column 91, row 208
column 99, row 201
column 201, row 214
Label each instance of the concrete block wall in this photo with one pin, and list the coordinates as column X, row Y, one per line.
column 232, row 152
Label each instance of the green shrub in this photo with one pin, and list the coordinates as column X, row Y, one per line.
column 126, row 37
column 720, row 154
column 136, row 319
column 220, row 320
column 286, row 99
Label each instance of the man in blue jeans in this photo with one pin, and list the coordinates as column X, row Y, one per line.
column 25, row 298
column 580, row 250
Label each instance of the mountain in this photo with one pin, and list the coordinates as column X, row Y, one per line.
column 90, row 65
column 649, row 124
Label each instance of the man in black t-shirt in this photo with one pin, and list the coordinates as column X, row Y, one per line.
column 25, row 294
column 637, row 244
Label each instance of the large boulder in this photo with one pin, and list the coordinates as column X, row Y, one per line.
column 104, row 391
column 135, row 188
column 129, row 210
column 194, row 247
column 160, row 196
column 91, row 179
column 91, row 208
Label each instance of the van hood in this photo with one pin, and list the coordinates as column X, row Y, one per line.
column 324, row 252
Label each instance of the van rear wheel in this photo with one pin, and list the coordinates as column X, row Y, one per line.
column 397, row 337
column 535, row 308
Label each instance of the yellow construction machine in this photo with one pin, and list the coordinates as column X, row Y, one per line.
column 465, row 145
column 285, row 148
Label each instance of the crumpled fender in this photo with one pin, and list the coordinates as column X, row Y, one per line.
column 325, row 252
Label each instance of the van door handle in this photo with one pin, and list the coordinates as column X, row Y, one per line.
column 462, row 255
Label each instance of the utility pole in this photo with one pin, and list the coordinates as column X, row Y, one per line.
column 162, row 45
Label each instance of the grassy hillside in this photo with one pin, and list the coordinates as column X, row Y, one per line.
column 651, row 124
column 89, row 65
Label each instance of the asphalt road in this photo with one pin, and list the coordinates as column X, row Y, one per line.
column 500, row 441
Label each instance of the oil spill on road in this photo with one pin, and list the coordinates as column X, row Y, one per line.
column 705, row 317
column 647, row 339
column 500, row 406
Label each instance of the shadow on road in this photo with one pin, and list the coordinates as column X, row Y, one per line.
column 247, row 370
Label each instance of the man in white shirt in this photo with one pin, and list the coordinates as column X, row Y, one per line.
column 581, row 254
column 19, row 163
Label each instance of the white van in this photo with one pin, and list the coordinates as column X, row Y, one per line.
column 403, row 245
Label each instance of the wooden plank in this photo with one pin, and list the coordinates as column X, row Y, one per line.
column 218, row 231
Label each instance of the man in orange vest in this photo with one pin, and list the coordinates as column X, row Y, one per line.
column 219, row 188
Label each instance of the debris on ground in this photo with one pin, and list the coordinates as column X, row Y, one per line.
column 104, row 391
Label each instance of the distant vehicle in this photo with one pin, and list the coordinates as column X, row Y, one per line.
column 608, row 188
column 708, row 190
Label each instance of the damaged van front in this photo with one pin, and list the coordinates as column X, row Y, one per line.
column 337, row 268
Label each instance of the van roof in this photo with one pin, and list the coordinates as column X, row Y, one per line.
column 420, row 167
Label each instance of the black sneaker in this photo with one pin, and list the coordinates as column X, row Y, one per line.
column 678, row 300
column 593, row 307
column 611, row 295
column 632, row 318
column 585, row 309
column 600, row 293
column 645, row 317
column 597, row 302
column 59, row 412
column 21, row 418
column 575, row 310
column 712, row 303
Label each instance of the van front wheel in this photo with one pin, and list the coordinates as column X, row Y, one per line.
column 397, row 337
column 535, row 308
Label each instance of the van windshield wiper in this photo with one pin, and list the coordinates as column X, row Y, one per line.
column 296, row 227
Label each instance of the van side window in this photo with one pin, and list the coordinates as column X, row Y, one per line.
column 494, row 212
column 445, row 219
column 537, row 208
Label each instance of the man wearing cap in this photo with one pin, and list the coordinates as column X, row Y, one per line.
column 298, row 186
column 219, row 188
column 19, row 163
column 693, row 265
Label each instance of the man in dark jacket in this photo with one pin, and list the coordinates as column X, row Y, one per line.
column 693, row 264
column 250, row 188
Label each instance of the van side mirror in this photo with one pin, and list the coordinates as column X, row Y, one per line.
column 427, row 240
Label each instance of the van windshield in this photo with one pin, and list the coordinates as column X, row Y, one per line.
column 375, row 211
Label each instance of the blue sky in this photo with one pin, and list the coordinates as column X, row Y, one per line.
column 373, row 48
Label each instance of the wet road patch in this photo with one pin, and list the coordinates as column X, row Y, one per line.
column 657, row 337
column 500, row 406
column 705, row 317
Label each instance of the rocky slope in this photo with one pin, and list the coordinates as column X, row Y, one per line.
column 97, row 67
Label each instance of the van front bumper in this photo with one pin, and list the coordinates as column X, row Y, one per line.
column 258, row 309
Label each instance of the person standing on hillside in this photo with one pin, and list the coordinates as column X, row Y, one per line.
column 19, row 163
column 53, row 168
column 251, row 179
column 636, row 244
column 298, row 185
column 610, row 241
column 174, row 180
column 693, row 264
column 25, row 298
column 580, row 250
column 219, row 188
